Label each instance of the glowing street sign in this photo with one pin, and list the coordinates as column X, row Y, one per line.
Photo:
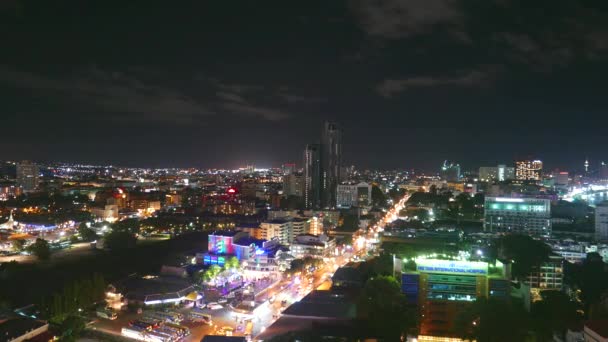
column 452, row 266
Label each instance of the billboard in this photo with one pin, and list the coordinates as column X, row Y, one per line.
column 451, row 266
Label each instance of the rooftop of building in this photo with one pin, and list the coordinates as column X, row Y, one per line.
column 599, row 326
column 217, row 338
column 308, row 243
column 241, row 225
column 348, row 274
column 225, row 232
column 291, row 326
column 150, row 288
column 278, row 220
column 248, row 240
column 328, row 304
column 16, row 327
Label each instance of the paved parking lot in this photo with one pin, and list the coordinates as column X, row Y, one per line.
column 221, row 318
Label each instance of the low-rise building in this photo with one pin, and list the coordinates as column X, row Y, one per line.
column 316, row 246
column 547, row 276
column 280, row 229
column 20, row 329
column 108, row 212
column 601, row 222
column 521, row 215
column 596, row 331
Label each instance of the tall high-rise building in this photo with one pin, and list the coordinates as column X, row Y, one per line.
column 293, row 185
column 354, row 195
column 312, row 176
column 288, row 168
column 505, row 173
column 331, row 162
column 499, row 173
column 450, row 171
column 528, row 169
column 601, row 221
column 27, row 175
column 561, row 177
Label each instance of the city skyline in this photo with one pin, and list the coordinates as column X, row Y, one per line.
column 412, row 83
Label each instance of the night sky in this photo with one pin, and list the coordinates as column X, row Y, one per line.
column 223, row 83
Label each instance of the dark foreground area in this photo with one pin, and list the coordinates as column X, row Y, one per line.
column 23, row 284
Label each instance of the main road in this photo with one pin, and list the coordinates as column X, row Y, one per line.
column 293, row 290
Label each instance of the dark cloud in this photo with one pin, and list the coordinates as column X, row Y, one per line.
column 394, row 19
column 541, row 36
column 229, row 96
column 257, row 111
column 114, row 93
column 291, row 98
column 389, row 87
column 127, row 97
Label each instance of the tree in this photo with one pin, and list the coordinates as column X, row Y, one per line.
column 525, row 252
column 120, row 240
column 493, row 320
column 232, row 262
column 350, row 223
column 418, row 214
column 18, row 245
column 296, row 265
column 385, row 308
column 554, row 313
column 40, row 249
column 129, row 225
column 591, row 279
column 378, row 197
column 86, row 233
column 71, row 328
column 212, row 272
column 396, row 193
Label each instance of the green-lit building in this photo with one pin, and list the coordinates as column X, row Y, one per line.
column 522, row 215
column 442, row 289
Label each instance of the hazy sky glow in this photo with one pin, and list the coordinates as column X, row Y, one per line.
column 220, row 85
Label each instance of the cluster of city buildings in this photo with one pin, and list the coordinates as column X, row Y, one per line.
column 263, row 257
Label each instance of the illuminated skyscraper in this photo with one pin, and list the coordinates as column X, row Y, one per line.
column 27, row 175
column 312, row 176
column 528, row 169
column 331, row 161
column 586, row 165
column 499, row 173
